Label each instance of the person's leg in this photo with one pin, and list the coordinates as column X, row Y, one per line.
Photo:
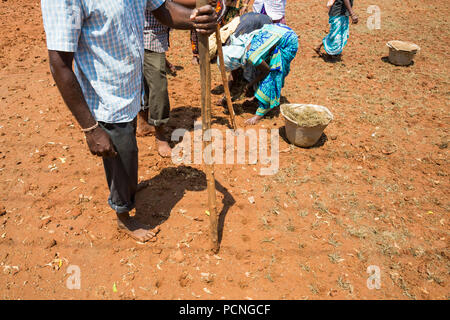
column 268, row 93
column 122, row 176
column 318, row 48
column 143, row 128
column 158, row 101
column 260, row 113
column 282, row 20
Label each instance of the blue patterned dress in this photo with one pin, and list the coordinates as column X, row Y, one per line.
column 337, row 38
column 277, row 44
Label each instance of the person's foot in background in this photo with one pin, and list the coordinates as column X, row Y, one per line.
column 143, row 128
column 317, row 49
column 162, row 143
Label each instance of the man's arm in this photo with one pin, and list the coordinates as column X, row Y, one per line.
column 61, row 67
column 186, row 3
column 176, row 16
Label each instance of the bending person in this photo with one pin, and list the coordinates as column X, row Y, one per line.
column 248, row 23
column 270, row 51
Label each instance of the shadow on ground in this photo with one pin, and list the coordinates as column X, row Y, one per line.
column 158, row 196
column 184, row 118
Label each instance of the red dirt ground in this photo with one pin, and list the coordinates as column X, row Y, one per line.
column 375, row 193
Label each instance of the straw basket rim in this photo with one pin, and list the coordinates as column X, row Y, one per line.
column 302, row 105
column 405, row 46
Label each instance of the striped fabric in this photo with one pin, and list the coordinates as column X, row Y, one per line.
column 156, row 35
column 107, row 39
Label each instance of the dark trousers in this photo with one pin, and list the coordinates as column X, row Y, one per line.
column 122, row 170
column 156, row 98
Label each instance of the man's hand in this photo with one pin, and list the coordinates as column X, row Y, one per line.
column 174, row 15
column 205, row 20
column 61, row 67
column 100, row 143
column 354, row 18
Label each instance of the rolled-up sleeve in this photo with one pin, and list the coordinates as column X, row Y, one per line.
column 63, row 20
column 154, row 4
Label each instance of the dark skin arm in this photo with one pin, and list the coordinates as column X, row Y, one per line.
column 186, row 3
column 61, row 67
column 176, row 16
column 264, row 71
column 173, row 15
column 350, row 10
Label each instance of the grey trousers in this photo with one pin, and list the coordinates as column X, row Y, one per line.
column 122, row 170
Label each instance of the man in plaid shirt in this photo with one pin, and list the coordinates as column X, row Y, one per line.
column 103, row 89
column 156, row 109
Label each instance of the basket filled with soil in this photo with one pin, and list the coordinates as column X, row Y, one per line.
column 401, row 53
column 305, row 123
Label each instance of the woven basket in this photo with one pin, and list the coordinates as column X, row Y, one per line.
column 402, row 53
column 304, row 136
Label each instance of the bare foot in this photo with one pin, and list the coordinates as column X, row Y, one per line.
column 254, row 120
column 162, row 144
column 164, row 148
column 136, row 230
column 195, row 60
column 143, row 128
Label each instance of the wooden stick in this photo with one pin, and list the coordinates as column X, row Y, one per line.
column 224, row 78
column 205, row 79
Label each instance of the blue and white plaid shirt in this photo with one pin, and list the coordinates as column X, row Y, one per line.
column 107, row 39
column 156, row 35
